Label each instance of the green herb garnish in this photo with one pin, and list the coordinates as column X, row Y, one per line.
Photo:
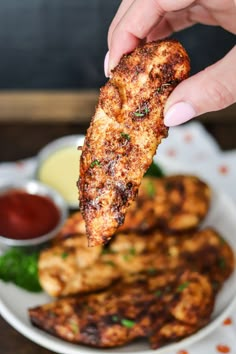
column 108, row 251
column 115, row 318
column 110, row 263
column 127, row 323
column 183, row 286
column 150, row 188
column 21, row 268
column 141, row 111
column 95, row 163
column 131, row 254
column 89, row 308
column 126, row 257
column 222, row 262
column 158, row 293
column 163, row 86
column 132, row 251
column 74, row 327
column 124, row 321
column 138, row 114
column 125, row 136
column 64, row 255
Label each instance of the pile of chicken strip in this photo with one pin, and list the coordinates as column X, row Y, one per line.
column 150, row 271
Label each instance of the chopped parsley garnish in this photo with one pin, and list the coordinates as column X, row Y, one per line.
column 150, row 188
column 125, row 136
column 126, row 257
column 183, row 286
column 115, row 318
column 124, row 321
column 158, row 293
column 163, row 86
column 127, row 323
column 89, row 308
column 74, row 327
column 131, row 254
column 110, row 263
column 142, row 111
column 108, row 251
column 64, row 255
column 95, row 163
column 222, row 262
column 132, row 251
column 139, row 114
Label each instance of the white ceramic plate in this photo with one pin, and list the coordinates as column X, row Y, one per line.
column 14, row 301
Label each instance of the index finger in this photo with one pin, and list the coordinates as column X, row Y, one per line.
column 137, row 22
column 125, row 4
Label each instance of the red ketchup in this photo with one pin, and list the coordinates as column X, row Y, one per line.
column 26, row 216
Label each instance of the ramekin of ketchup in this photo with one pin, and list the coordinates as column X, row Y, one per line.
column 30, row 213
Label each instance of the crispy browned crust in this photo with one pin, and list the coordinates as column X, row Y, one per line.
column 71, row 268
column 125, row 132
column 162, row 308
column 175, row 203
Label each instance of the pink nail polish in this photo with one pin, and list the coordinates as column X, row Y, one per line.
column 179, row 113
column 106, row 60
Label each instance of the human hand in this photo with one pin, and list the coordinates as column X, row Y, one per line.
column 146, row 20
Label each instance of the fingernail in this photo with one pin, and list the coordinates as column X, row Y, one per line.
column 179, row 113
column 106, row 60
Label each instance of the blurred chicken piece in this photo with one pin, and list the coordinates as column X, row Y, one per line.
column 154, row 307
column 70, row 267
column 62, row 272
column 175, row 203
column 125, row 132
column 74, row 225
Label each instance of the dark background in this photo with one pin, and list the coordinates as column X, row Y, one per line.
column 60, row 44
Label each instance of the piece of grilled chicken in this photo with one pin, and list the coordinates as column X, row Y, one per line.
column 70, row 267
column 163, row 308
column 173, row 203
column 124, row 133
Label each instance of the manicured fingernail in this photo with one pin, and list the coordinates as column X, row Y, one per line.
column 106, row 60
column 179, row 113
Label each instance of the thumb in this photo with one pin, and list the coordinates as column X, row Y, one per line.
column 210, row 90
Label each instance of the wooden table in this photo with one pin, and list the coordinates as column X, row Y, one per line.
column 21, row 138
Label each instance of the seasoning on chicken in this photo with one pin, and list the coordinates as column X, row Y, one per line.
column 174, row 203
column 72, row 268
column 124, row 134
column 162, row 308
